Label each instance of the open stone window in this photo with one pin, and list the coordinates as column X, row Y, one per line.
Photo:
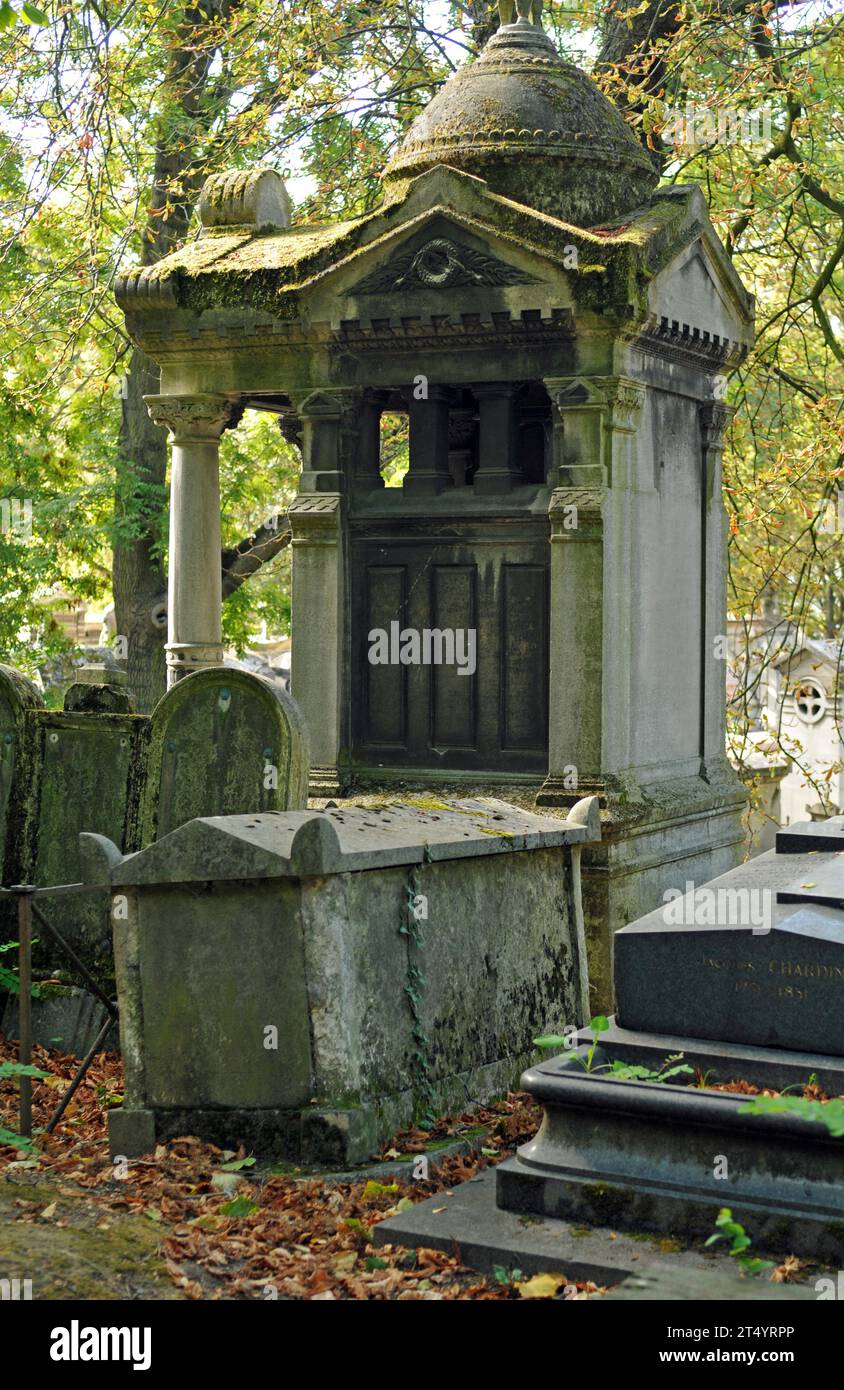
column 505, row 427
column 394, row 447
column 809, row 701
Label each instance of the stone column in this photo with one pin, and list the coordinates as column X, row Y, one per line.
column 331, row 420
column 461, row 437
column 367, row 466
column 498, row 469
column 195, row 601
column 428, row 473
column 714, row 418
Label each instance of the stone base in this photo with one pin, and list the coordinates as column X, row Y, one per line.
column 327, row 781
column 654, row 837
column 665, row 1158
column 323, row 1135
column 470, row 1224
column 311, row 1137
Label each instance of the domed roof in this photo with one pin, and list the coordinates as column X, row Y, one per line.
column 534, row 127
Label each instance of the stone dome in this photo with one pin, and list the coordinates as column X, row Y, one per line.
column 535, row 128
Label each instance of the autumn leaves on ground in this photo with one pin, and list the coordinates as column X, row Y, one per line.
column 194, row 1221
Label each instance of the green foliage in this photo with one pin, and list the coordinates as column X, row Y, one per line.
column 828, row 1113
column 9, row 980
column 239, row 1206
column 108, row 125
column 740, row 1241
column 18, row 1069
column 8, row 1069
column 617, row 1070
column 625, row 1071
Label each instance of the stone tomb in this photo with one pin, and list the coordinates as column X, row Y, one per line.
column 760, row 1003
column 308, row 982
column 555, row 331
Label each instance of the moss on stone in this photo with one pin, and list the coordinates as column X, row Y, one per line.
column 84, row 1259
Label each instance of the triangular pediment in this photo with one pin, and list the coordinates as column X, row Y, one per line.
column 443, row 262
column 697, row 286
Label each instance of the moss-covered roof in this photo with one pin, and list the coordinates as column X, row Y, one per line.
column 271, row 268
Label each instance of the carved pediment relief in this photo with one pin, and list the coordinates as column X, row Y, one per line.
column 441, row 263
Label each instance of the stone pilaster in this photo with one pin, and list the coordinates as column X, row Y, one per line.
column 319, row 676
column 620, row 608
column 330, row 422
column 592, row 421
column 714, row 419
column 195, row 602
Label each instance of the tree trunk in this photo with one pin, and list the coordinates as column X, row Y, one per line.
column 140, row 587
column 139, row 584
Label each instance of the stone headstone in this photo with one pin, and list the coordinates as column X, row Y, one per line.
column 222, row 742
column 81, row 764
column 64, row 1017
column 17, row 695
column 749, row 958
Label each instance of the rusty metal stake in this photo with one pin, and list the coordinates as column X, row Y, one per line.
column 25, row 892
column 80, row 1072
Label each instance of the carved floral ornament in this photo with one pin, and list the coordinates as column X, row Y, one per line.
column 715, row 416
column 194, row 417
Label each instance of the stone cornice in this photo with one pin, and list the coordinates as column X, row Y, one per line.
column 684, row 343
column 169, row 342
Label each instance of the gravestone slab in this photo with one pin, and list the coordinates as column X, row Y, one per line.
column 742, row 960
column 222, row 742
column 820, row 885
column 81, row 766
column 805, row 836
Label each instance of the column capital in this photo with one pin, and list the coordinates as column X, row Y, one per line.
column 714, row 418
column 621, row 397
column 201, row 417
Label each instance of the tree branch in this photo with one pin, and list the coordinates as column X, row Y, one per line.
column 254, row 551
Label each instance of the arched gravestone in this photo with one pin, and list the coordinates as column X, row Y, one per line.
column 222, row 742
column 17, row 696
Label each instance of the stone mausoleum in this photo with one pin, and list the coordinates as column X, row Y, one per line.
column 557, row 332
